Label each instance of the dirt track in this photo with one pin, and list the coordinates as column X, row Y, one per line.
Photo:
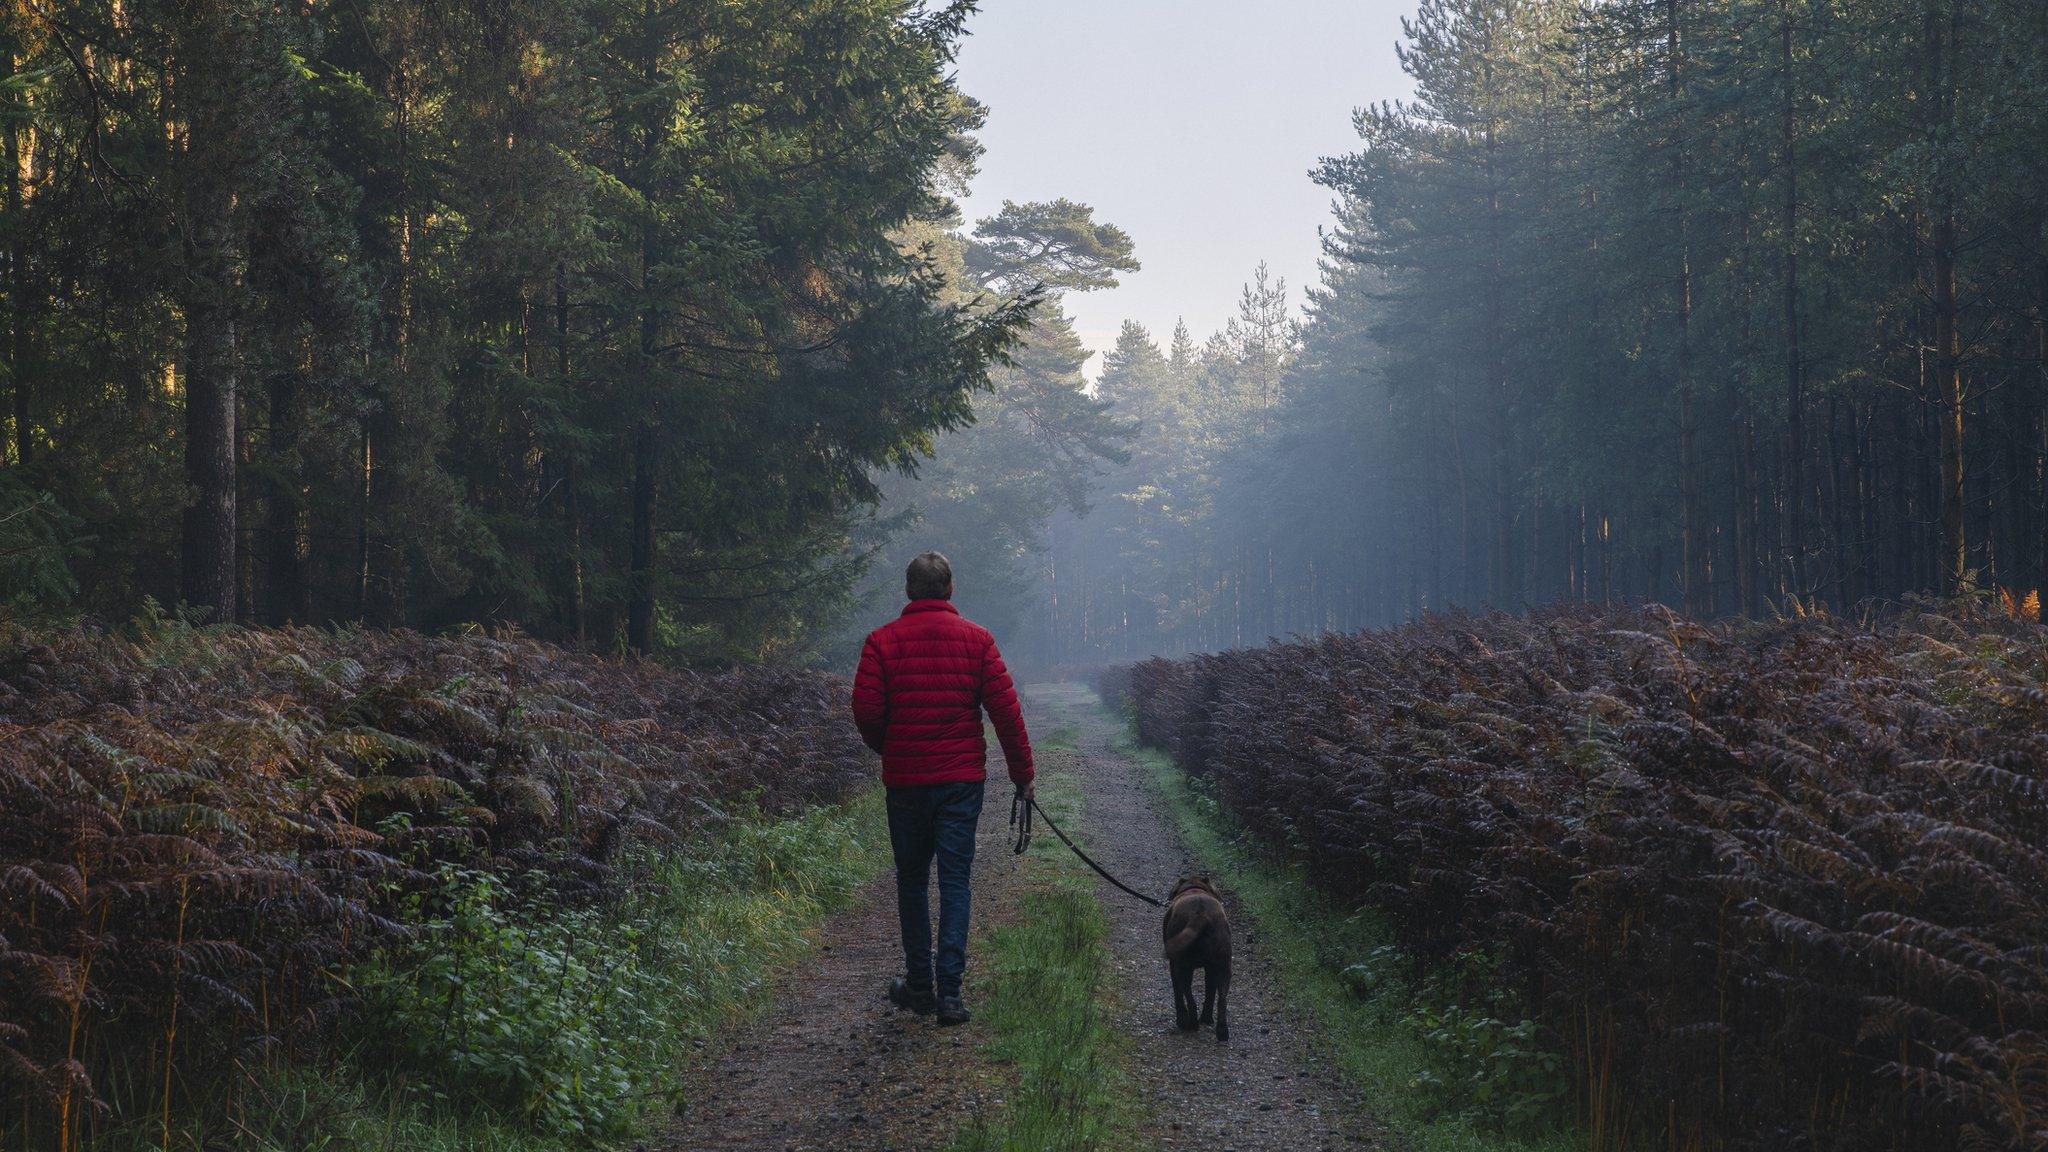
column 833, row 1067
column 1262, row 1090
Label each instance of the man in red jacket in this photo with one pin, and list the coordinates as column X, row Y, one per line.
column 924, row 679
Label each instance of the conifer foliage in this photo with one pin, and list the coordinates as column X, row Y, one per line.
column 600, row 317
column 1771, row 886
column 1717, row 303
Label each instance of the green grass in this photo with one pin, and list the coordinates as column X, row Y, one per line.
column 1363, row 1012
column 707, row 929
column 1047, row 1003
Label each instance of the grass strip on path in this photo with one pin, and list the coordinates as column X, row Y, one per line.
column 1047, row 1002
column 1362, row 1011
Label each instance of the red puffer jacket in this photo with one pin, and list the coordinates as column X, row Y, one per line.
column 924, row 679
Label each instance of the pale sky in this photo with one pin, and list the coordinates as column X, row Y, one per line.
column 1192, row 124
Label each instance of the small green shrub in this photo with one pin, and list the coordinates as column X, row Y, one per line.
column 546, row 1015
column 1484, row 1055
column 1494, row 1061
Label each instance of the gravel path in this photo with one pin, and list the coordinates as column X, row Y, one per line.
column 1264, row 1090
column 833, row 1067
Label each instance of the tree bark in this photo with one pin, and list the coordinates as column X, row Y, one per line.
column 1838, row 543
column 2041, row 388
column 1795, row 398
column 286, row 542
column 20, row 366
column 1688, row 438
column 572, row 506
column 1948, row 381
column 208, row 555
column 1500, row 584
column 207, row 168
column 1746, row 508
column 640, row 594
column 366, row 483
column 1948, row 384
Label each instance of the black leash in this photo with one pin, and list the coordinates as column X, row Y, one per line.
column 1023, row 826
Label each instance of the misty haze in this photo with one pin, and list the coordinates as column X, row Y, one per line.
column 1024, row 575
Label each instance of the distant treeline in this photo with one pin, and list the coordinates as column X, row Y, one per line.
column 1715, row 303
column 597, row 316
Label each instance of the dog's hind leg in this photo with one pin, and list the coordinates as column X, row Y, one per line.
column 1208, row 993
column 1184, row 996
column 1218, row 981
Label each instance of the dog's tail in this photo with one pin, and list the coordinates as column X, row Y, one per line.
column 1182, row 940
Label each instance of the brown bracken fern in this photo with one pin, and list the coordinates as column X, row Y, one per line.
column 199, row 831
column 1786, row 884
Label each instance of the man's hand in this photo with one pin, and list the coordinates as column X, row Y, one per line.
column 1029, row 791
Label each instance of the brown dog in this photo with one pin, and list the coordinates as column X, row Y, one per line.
column 1198, row 936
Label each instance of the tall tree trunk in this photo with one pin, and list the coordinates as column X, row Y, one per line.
column 1838, row 544
column 2041, row 391
column 1604, row 535
column 640, row 592
column 1795, row 398
column 1433, row 592
column 1500, row 582
column 208, row 555
column 366, row 492
column 1690, row 551
column 1904, row 491
column 1466, row 571
column 20, row 367
column 1746, row 511
column 1581, row 549
column 285, row 538
column 383, row 429
column 1948, row 381
column 1653, row 576
column 206, row 166
column 572, row 499
column 1927, row 559
column 646, row 439
column 646, row 449
column 245, row 551
column 1748, row 515
column 1857, row 557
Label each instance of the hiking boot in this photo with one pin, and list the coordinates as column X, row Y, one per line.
column 952, row 1010
column 918, row 1000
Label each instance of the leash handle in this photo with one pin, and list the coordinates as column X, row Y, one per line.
column 1022, row 823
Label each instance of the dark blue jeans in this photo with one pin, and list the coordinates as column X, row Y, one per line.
column 926, row 822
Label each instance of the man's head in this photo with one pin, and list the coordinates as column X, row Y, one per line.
column 930, row 578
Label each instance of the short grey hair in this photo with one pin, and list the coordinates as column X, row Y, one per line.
column 930, row 577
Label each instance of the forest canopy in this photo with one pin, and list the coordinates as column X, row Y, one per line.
column 600, row 318
column 654, row 327
column 1736, row 305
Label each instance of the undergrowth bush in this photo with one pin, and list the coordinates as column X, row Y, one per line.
column 538, row 1015
column 1487, row 1053
column 201, row 828
column 1765, row 886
